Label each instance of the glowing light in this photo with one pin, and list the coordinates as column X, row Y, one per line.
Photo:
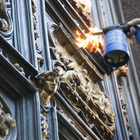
column 92, row 43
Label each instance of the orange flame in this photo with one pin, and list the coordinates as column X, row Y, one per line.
column 92, row 43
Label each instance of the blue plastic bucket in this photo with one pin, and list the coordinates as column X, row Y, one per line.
column 116, row 51
column 138, row 33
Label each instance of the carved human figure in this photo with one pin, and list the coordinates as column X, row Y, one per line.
column 47, row 83
column 97, row 99
column 85, row 83
column 103, row 104
column 72, row 77
column 90, row 92
column 68, row 64
column 60, row 67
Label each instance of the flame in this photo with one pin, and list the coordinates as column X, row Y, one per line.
column 92, row 42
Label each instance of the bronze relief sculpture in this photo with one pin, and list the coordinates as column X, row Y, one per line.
column 47, row 84
column 83, row 93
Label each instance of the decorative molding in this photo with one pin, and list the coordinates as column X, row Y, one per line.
column 118, row 108
column 18, row 91
column 131, row 87
column 75, row 117
column 42, row 41
column 23, row 38
column 13, row 56
column 23, row 100
column 10, row 76
column 81, row 10
column 66, row 129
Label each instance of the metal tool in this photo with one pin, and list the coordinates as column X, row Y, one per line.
column 116, row 51
column 125, row 27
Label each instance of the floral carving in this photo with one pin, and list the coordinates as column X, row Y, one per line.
column 44, row 125
column 4, row 19
column 6, row 121
column 40, row 59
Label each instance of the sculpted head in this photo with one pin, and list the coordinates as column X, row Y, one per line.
column 48, row 82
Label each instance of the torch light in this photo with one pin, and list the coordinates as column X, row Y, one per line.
column 116, row 51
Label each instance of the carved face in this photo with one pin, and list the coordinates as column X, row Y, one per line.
column 50, row 84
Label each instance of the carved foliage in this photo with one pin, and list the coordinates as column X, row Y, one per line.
column 5, row 20
column 40, row 59
column 6, row 122
column 44, row 125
